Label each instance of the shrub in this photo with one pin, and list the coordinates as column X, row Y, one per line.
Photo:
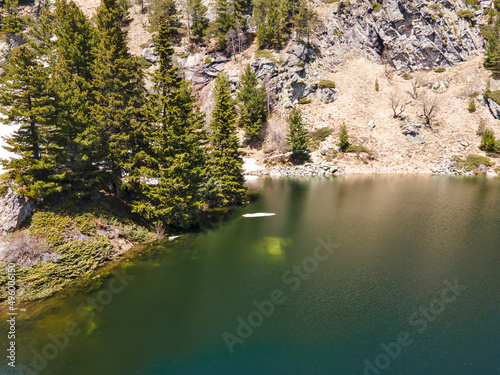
column 3, row 190
column 326, row 84
column 343, row 138
column 12, row 24
column 472, row 162
column 27, row 250
column 488, row 141
column 407, row 76
column 300, row 63
column 465, row 13
column 441, row 69
column 377, row 87
column 472, row 105
column 376, row 7
column 319, row 135
column 480, row 128
column 143, row 62
column 493, row 95
column 208, row 60
column 304, row 101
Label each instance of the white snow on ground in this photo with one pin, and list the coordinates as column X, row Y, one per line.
column 6, row 130
column 250, row 165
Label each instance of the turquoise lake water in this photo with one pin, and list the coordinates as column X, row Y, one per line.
column 353, row 275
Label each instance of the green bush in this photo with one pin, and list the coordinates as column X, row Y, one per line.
column 376, row 7
column 493, row 95
column 488, row 141
column 472, row 105
column 472, row 162
column 343, row 138
column 465, row 13
column 377, row 86
column 441, row 69
column 143, row 62
column 12, row 24
column 304, row 101
column 3, row 190
column 300, row 63
column 326, row 84
column 317, row 136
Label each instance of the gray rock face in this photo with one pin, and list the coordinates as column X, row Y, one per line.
column 441, row 86
column 13, row 211
column 409, row 34
column 412, row 132
column 297, row 53
column 150, row 55
column 493, row 106
column 327, row 95
column 265, row 68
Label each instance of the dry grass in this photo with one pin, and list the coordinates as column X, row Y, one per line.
column 26, row 250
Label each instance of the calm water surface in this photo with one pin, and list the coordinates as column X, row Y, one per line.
column 407, row 283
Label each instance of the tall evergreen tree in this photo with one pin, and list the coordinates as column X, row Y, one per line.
column 197, row 19
column 223, row 22
column 226, row 185
column 171, row 165
column 271, row 19
column 297, row 136
column 25, row 93
column 252, row 103
column 492, row 60
column 118, row 95
column 166, row 11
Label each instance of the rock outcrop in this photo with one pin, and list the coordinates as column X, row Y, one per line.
column 14, row 209
column 410, row 35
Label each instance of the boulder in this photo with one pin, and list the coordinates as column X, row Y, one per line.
column 264, row 68
column 327, row 95
column 14, row 209
column 493, row 106
column 150, row 55
column 441, row 86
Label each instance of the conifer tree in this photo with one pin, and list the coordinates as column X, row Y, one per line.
column 492, row 60
column 271, row 19
column 252, row 103
column 171, row 165
column 118, row 95
column 226, row 184
column 297, row 135
column 165, row 10
column 223, row 22
column 197, row 16
column 24, row 92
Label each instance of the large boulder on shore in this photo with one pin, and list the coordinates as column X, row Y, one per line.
column 14, row 209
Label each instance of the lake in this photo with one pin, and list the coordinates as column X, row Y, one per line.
column 353, row 275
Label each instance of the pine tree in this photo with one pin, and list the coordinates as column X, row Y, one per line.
column 223, row 22
column 11, row 7
column 252, row 103
column 24, row 92
column 488, row 141
column 167, row 11
column 170, row 167
column 492, row 60
column 226, row 184
column 198, row 22
column 297, row 136
column 271, row 18
column 118, row 95
column 343, row 138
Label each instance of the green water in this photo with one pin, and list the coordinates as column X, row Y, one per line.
column 376, row 299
